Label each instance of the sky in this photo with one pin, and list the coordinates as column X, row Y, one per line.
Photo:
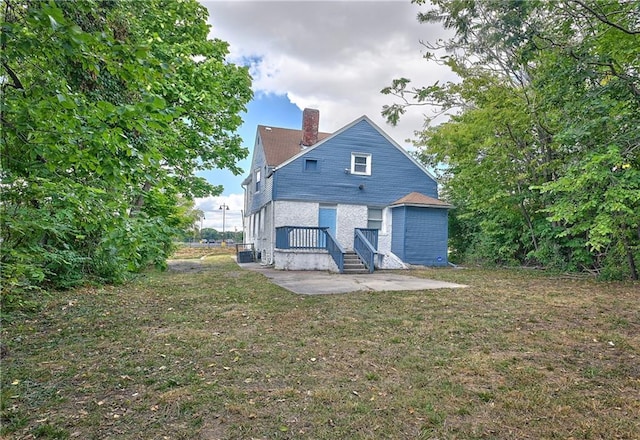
column 334, row 56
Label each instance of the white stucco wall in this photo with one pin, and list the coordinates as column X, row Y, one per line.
column 304, row 260
column 384, row 242
column 267, row 239
column 389, row 260
column 348, row 217
column 296, row 214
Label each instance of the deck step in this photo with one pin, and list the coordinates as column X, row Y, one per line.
column 353, row 264
column 355, row 272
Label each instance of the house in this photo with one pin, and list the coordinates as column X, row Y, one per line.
column 315, row 200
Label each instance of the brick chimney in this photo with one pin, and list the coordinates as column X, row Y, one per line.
column 310, row 122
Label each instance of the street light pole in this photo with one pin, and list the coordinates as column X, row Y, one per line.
column 201, row 220
column 224, row 208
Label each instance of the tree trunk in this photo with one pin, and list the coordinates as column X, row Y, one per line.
column 137, row 204
column 530, row 225
column 629, row 250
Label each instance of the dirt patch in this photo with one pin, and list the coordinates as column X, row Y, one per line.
column 192, row 265
column 195, row 252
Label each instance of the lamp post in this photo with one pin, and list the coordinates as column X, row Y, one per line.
column 224, row 208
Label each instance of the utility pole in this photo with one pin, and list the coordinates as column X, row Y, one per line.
column 224, row 208
column 201, row 220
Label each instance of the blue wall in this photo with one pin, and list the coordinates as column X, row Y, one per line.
column 393, row 175
column 257, row 200
column 420, row 235
column 398, row 231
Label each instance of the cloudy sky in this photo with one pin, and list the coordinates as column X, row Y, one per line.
column 334, row 56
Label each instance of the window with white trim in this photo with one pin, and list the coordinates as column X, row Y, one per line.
column 258, row 180
column 374, row 218
column 361, row 164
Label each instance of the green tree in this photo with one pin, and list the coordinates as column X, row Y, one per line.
column 211, row 234
column 540, row 152
column 592, row 80
column 108, row 108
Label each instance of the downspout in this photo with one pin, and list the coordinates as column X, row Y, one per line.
column 244, row 203
column 274, row 186
column 273, row 229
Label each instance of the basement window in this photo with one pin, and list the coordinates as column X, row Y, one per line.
column 374, row 218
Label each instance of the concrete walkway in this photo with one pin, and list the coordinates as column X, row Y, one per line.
column 309, row 282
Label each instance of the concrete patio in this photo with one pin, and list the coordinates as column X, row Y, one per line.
column 317, row 283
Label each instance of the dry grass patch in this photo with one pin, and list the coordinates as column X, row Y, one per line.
column 197, row 251
column 218, row 352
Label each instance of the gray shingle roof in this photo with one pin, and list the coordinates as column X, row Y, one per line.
column 418, row 199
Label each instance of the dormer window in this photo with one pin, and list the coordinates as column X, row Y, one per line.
column 361, row 164
column 258, row 180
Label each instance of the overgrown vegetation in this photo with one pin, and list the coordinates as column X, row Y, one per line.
column 107, row 110
column 541, row 153
column 213, row 351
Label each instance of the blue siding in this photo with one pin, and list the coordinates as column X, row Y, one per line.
column 398, row 231
column 259, row 199
column 393, row 174
column 420, row 235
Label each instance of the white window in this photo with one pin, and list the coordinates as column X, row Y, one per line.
column 374, row 218
column 361, row 164
column 258, row 180
column 254, row 219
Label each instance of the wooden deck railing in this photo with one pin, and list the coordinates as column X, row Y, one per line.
column 363, row 244
column 335, row 250
column 310, row 237
column 301, row 237
column 371, row 235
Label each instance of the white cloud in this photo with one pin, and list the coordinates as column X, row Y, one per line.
column 213, row 215
column 333, row 56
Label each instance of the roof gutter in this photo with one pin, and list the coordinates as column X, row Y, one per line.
column 419, row 205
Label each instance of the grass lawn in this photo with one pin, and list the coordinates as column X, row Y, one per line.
column 213, row 351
